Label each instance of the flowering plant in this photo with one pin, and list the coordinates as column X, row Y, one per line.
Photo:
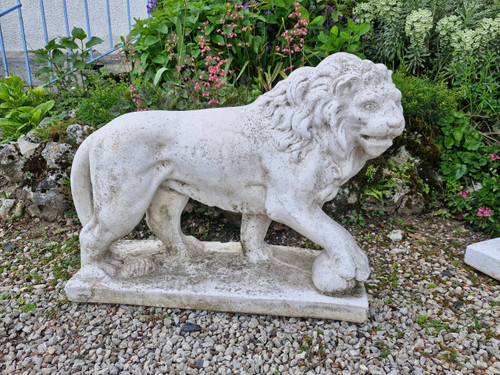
column 207, row 45
column 470, row 170
column 425, row 37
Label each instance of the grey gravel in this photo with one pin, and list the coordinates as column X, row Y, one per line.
column 429, row 314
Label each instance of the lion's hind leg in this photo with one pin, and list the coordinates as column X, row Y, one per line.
column 117, row 211
column 253, row 231
column 164, row 219
column 98, row 235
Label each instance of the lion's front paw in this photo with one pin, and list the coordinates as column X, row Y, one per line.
column 258, row 255
column 362, row 264
column 327, row 278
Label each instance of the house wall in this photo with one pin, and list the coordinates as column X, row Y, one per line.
column 56, row 27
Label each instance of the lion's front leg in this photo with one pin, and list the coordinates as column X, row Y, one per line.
column 342, row 262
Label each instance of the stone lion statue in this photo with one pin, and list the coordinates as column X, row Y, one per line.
column 280, row 158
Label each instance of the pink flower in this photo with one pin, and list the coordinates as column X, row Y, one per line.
column 494, row 157
column 483, row 211
column 463, row 194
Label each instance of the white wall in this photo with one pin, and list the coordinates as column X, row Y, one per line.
column 54, row 16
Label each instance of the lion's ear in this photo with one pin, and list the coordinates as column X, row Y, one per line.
column 346, row 85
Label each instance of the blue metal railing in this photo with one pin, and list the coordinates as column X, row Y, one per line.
column 18, row 6
column 21, row 26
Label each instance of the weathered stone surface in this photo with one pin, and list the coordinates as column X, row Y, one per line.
column 47, row 200
column 11, row 162
column 36, row 180
column 411, row 204
column 485, row 256
column 77, row 133
column 222, row 280
column 58, row 155
column 280, row 158
column 6, row 207
column 28, row 145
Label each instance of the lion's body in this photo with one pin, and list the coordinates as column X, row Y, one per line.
column 242, row 159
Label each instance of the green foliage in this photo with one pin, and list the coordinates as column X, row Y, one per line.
column 426, row 36
column 105, row 99
column 470, row 170
column 108, row 97
column 63, row 57
column 475, row 79
column 55, row 130
column 435, row 324
column 380, row 185
column 424, row 105
column 349, row 39
column 206, row 45
column 20, row 109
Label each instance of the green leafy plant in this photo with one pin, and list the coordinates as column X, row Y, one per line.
column 63, row 58
column 470, row 171
column 436, row 324
column 20, row 109
column 381, row 185
column 207, row 45
column 480, row 90
column 104, row 100
column 424, row 37
column 348, row 39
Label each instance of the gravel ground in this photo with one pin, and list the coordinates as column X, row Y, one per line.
column 429, row 312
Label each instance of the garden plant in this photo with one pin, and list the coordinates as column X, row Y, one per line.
column 208, row 53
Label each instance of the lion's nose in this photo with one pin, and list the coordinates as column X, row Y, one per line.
column 395, row 122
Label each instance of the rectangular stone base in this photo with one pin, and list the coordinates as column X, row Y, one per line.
column 485, row 257
column 223, row 280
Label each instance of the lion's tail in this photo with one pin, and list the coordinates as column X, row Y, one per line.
column 81, row 186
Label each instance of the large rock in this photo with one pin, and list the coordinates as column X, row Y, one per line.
column 47, row 201
column 11, row 162
column 77, row 133
column 29, row 145
column 58, row 155
column 34, row 175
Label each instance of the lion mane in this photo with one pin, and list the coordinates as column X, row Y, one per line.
column 300, row 106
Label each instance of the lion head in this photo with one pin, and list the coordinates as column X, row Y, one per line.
column 347, row 106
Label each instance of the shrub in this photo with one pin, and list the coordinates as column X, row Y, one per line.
column 20, row 109
column 426, row 36
column 206, row 45
column 424, row 104
column 65, row 57
column 104, row 100
column 470, row 170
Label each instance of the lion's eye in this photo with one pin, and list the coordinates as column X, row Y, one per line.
column 370, row 106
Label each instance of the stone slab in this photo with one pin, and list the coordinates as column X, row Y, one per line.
column 485, row 257
column 223, row 280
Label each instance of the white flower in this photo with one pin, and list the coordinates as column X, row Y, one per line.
column 447, row 26
column 418, row 25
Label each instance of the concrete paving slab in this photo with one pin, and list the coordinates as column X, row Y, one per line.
column 485, row 257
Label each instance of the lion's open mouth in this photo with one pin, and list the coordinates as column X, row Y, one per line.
column 379, row 143
column 376, row 139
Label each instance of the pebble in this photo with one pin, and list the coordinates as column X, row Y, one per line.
column 190, row 327
column 413, row 328
column 396, row 235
